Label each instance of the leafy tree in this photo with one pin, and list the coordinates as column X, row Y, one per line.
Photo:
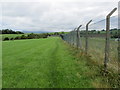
column 62, row 32
column 103, row 30
column 18, row 32
column 56, row 33
column 8, row 31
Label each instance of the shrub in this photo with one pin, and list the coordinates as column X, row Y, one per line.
column 31, row 36
column 11, row 38
column 16, row 38
column 23, row 37
column 6, row 38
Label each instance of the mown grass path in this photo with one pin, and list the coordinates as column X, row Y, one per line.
column 42, row 63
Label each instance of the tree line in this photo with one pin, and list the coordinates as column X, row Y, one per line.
column 28, row 36
column 113, row 32
column 33, row 36
column 9, row 31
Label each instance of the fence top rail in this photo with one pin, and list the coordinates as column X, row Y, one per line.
column 111, row 12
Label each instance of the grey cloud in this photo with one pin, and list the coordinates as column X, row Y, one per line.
column 52, row 16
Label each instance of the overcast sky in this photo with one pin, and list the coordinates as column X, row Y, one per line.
column 52, row 15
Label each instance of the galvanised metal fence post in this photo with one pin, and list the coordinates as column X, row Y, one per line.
column 71, row 38
column 78, row 38
column 74, row 37
column 107, row 44
column 86, row 41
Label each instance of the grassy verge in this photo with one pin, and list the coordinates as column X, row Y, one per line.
column 96, row 50
column 110, row 79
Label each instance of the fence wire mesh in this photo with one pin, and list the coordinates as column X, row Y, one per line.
column 97, row 40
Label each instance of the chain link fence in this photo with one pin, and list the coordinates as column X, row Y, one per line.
column 98, row 40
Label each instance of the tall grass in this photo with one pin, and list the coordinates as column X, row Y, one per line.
column 96, row 50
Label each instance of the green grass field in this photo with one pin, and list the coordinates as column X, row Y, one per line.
column 48, row 63
column 45, row 63
column 11, row 35
column 15, row 35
